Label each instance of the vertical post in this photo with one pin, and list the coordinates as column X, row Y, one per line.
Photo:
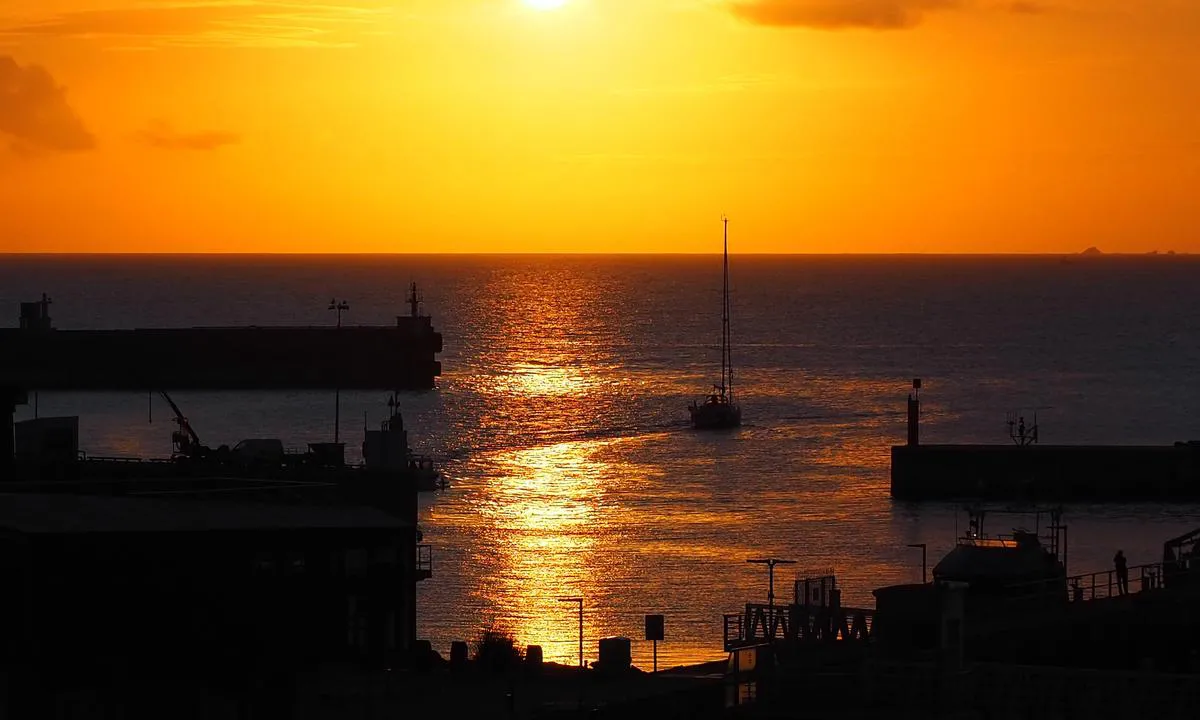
column 914, row 413
column 655, row 656
column 580, row 601
column 1064, row 548
column 726, row 344
column 771, row 563
column 337, row 307
column 9, row 400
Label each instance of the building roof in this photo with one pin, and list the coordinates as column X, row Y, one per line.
column 76, row 514
column 995, row 562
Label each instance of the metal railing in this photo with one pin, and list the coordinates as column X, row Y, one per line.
column 119, row 459
column 1096, row 585
column 1105, row 584
column 735, row 630
column 796, row 623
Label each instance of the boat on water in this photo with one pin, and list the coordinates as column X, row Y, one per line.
column 1022, row 563
column 719, row 410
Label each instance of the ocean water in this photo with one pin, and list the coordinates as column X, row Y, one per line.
column 561, row 423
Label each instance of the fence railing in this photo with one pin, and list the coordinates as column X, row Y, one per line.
column 1098, row 585
column 796, row 623
column 119, row 459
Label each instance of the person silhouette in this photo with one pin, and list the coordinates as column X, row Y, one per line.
column 1122, row 572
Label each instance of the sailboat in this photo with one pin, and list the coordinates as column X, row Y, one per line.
column 718, row 410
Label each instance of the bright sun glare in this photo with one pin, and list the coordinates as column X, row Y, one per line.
column 545, row 4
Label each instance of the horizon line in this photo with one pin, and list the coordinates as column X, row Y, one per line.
column 543, row 253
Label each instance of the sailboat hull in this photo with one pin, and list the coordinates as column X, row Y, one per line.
column 715, row 416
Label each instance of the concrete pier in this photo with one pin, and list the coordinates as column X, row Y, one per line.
column 1028, row 471
column 1100, row 473
column 39, row 357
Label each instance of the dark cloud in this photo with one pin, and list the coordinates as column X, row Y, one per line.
column 35, row 113
column 838, row 14
column 161, row 135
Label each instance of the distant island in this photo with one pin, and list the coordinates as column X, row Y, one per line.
column 1096, row 251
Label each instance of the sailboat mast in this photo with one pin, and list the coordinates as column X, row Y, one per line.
column 726, row 351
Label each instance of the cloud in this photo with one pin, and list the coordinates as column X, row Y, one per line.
column 232, row 23
column 1020, row 7
column 161, row 135
column 35, row 113
column 838, row 14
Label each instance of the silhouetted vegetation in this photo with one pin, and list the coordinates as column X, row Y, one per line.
column 497, row 650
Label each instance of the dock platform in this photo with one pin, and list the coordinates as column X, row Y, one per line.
column 38, row 356
column 1107, row 473
column 1025, row 470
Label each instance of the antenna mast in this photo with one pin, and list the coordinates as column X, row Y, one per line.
column 726, row 350
column 414, row 300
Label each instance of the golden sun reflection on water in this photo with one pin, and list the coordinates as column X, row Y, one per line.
column 544, row 505
column 532, row 380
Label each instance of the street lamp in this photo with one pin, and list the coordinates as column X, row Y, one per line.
column 923, row 550
column 580, row 601
column 337, row 307
column 771, row 563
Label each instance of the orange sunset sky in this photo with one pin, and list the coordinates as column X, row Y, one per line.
column 600, row 125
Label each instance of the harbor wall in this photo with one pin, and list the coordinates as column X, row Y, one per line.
column 401, row 357
column 1097, row 473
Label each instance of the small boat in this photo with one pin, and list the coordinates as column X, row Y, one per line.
column 718, row 410
column 1021, row 564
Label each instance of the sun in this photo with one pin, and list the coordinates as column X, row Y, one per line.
column 545, row 4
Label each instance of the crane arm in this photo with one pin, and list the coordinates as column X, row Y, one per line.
column 179, row 418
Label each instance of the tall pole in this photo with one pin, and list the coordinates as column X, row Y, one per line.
column 580, row 601
column 726, row 360
column 771, row 563
column 337, row 307
column 923, row 556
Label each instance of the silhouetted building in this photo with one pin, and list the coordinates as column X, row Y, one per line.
column 175, row 605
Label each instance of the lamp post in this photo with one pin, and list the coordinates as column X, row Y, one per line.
column 580, row 601
column 923, row 551
column 771, row 563
column 337, row 307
